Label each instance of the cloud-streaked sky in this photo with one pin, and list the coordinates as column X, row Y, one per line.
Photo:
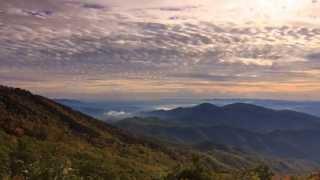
column 150, row 49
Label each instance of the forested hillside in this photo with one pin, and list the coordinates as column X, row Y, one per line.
column 279, row 134
column 41, row 139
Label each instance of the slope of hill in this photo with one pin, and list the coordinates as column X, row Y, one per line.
column 239, row 115
column 41, row 139
column 253, row 129
column 284, row 144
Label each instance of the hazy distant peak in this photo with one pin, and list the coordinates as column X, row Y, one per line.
column 206, row 106
column 244, row 106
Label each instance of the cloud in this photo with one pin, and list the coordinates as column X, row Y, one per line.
column 248, row 62
column 116, row 115
column 204, row 76
column 94, row 6
column 122, row 45
column 175, row 8
column 314, row 56
column 39, row 13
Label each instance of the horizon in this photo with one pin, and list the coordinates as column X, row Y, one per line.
column 110, row 109
column 151, row 50
column 41, row 134
column 204, row 100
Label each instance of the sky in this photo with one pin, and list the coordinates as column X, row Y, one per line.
column 154, row 49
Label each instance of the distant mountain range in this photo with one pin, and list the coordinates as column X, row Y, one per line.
column 251, row 128
column 108, row 110
column 240, row 115
column 42, row 139
column 90, row 109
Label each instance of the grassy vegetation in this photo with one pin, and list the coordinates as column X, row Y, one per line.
column 28, row 158
column 42, row 140
column 33, row 159
column 233, row 147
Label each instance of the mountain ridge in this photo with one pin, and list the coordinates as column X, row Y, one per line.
column 246, row 116
column 46, row 135
column 41, row 138
column 280, row 134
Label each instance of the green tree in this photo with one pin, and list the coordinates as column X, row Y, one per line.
column 88, row 167
column 4, row 166
column 21, row 160
column 197, row 171
column 261, row 172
